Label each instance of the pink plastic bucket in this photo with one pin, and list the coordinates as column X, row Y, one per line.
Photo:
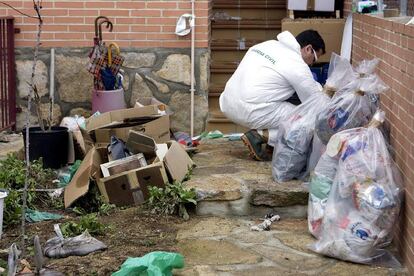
column 104, row 101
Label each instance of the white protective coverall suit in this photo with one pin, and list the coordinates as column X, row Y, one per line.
column 269, row 74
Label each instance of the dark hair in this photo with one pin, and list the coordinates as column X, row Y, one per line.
column 313, row 38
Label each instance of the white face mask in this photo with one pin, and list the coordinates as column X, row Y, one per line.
column 315, row 55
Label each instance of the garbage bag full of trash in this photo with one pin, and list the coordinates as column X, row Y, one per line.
column 365, row 200
column 340, row 74
column 352, row 106
column 295, row 134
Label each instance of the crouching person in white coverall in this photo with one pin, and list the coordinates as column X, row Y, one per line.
column 271, row 79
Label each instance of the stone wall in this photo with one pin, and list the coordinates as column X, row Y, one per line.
column 163, row 73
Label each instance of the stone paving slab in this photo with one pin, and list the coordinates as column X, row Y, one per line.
column 226, row 246
column 10, row 143
column 229, row 182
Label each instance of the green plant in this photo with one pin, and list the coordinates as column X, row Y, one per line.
column 188, row 174
column 171, row 199
column 104, row 209
column 12, row 178
column 87, row 222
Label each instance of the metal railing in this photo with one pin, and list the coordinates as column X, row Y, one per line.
column 7, row 74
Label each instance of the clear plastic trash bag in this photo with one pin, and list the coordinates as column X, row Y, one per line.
column 364, row 202
column 353, row 105
column 293, row 147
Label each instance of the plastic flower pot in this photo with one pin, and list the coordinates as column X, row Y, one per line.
column 51, row 145
column 3, row 195
column 108, row 100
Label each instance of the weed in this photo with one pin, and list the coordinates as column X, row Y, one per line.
column 86, row 222
column 171, row 199
column 12, row 178
column 104, row 209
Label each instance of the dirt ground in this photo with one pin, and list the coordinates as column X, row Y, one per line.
column 133, row 233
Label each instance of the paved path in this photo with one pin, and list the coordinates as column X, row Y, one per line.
column 236, row 192
column 226, row 246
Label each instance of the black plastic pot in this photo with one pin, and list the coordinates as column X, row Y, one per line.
column 51, row 145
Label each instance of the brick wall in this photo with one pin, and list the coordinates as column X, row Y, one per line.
column 136, row 23
column 393, row 44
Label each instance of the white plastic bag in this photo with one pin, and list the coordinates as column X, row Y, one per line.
column 365, row 199
column 352, row 106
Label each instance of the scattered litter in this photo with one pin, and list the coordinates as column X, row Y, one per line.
column 60, row 247
column 154, row 263
column 183, row 138
column 66, row 174
column 37, row 216
column 73, row 123
column 27, row 268
column 38, row 254
column 117, row 149
column 265, row 225
column 214, row 134
column 12, row 261
column 55, row 193
column 233, row 136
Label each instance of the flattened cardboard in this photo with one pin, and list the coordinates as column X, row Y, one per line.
column 79, row 185
column 177, row 161
column 159, row 129
column 331, row 31
column 131, row 187
column 145, row 101
column 141, row 143
column 116, row 117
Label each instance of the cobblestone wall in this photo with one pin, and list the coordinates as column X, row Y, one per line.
column 163, row 73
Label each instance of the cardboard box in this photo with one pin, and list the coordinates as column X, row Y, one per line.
column 117, row 117
column 158, row 128
column 145, row 101
column 131, row 187
column 128, row 187
column 141, row 143
column 89, row 168
column 176, row 161
column 122, row 165
column 313, row 5
column 331, row 31
column 145, row 119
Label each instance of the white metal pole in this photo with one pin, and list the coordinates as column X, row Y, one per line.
column 52, row 81
column 192, row 67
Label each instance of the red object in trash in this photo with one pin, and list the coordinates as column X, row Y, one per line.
column 104, row 100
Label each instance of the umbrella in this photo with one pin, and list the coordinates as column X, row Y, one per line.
column 110, row 65
column 98, row 51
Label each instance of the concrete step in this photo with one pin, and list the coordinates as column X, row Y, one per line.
column 229, row 183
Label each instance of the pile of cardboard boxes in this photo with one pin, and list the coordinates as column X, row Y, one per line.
column 156, row 159
column 331, row 29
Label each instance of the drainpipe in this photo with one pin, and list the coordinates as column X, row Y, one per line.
column 192, row 90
